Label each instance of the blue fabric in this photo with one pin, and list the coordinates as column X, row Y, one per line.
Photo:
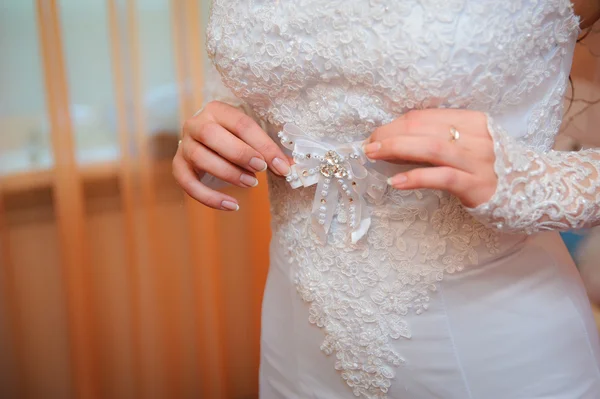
column 573, row 241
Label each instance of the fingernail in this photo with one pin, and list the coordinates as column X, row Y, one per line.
column 230, row 206
column 281, row 166
column 372, row 147
column 397, row 180
column 249, row 180
column 258, row 164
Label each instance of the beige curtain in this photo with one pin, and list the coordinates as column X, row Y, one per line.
column 112, row 283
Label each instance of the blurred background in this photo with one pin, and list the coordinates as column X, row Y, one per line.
column 113, row 284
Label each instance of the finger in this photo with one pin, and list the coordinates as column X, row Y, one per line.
column 202, row 158
column 186, row 176
column 420, row 149
column 413, row 123
column 445, row 178
column 433, row 122
column 228, row 146
column 244, row 127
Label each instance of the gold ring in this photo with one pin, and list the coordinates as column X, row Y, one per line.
column 454, row 134
column 198, row 112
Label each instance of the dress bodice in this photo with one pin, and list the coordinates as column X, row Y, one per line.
column 341, row 68
column 337, row 70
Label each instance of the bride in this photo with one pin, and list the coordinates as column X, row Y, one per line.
column 415, row 197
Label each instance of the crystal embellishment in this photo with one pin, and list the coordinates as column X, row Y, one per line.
column 332, row 166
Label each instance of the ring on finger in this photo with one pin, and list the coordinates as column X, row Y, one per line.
column 198, row 112
column 454, row 134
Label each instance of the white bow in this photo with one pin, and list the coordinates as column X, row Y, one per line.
column 337, row 170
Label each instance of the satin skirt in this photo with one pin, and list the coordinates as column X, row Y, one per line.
column 517, row 327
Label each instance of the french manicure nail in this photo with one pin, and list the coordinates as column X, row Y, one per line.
column 281, row 166
column 372, row 147
column 230, row 206
column 249, row 180
column 258, row 164
column 397, row 180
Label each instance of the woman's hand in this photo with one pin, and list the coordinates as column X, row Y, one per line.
column 463, row 166
column 228, row 144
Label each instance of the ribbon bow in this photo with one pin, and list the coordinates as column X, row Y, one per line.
column 339, row 171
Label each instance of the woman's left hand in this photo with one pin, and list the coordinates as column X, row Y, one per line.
column 456, row 142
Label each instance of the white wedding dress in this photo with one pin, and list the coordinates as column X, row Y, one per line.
column 378, row 293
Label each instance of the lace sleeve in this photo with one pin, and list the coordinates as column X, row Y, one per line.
column 556, row 190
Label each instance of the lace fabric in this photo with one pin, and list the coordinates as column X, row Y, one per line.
column 344, row 81
column 556, row 190
column 337, row 70
column 361, row 294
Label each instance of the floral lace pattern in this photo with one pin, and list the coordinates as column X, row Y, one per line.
column 546, row 117
column 377, row 60
column 551, row 191
column 338, row 69
column 360, row 294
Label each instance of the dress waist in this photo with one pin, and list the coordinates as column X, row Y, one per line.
column 413, row 228
column 341, row 198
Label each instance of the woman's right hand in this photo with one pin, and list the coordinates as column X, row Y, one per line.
column 228, row 144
